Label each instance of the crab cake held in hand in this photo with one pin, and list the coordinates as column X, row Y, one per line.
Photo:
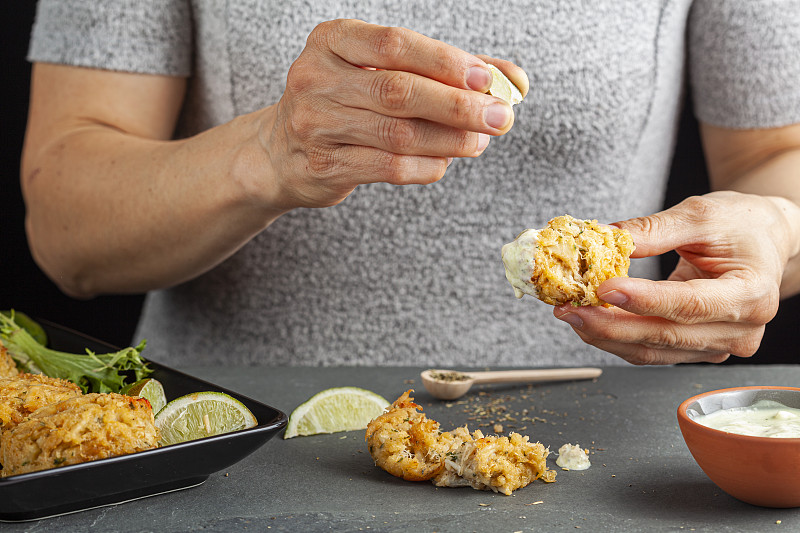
column 567, row 260
column 77, row 430
column 405, row 443
column 22, row 395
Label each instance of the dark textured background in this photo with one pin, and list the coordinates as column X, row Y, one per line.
column 113, row 318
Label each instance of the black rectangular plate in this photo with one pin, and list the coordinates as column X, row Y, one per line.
column 119, row 479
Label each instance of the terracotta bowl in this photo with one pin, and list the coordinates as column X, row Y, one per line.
column 758, row 470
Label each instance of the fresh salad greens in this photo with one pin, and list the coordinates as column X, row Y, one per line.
column 93, row 372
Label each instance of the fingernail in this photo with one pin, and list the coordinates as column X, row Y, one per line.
column 497, row 115
column 479, row 79
column 449, row 161
column 614, row 297
column 483, row 142
column 572, row 319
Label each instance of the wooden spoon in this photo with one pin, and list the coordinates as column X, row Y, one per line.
column 449, row 385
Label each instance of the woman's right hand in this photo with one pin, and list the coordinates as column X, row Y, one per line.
column 366, row 103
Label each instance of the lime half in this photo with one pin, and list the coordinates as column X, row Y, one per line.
column 202, row 414
column 503, row 88
column 150, row 389
column 334, row 410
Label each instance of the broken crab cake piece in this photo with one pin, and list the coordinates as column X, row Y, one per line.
column 407, row 444
column 567, row 260
column 500, row 464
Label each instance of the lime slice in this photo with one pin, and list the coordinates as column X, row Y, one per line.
column 149, row 389
column 334, row 410
column 503, row 88
column 202, row 414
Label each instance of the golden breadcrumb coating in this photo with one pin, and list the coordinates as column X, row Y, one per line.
column 407, row 444
column 8, row 368
column 567, row 260
column 404, row 442
column 84, row 428
column 22, row 395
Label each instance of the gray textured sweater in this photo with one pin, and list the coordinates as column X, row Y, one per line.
column 413, row 275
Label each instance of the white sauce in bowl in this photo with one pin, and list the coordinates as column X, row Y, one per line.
column 764, row 418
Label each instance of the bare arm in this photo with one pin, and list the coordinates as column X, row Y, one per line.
column 112, row 203
column 115, row 206
column 764, row 163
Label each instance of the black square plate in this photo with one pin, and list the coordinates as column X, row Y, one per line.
column 115, row 480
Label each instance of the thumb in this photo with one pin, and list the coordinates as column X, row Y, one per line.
column 664, row 231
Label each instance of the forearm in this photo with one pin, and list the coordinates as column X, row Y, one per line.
column 109, row 211
column 778, row 178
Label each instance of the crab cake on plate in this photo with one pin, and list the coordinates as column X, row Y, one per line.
column 22, row 395
column 77, row 430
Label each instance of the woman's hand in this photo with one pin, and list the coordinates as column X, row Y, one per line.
column 366, row 103
column 733, row 250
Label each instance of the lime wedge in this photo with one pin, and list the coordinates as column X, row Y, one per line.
column 334, row 410
column 202, row 414
column 149, row 389
column 503, row 88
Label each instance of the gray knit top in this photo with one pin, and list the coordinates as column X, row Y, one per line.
column 412, row 275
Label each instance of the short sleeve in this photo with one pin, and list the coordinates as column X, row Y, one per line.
column 745, row 62
column 145, row 36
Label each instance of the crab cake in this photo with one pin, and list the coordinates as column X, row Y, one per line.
column 407, row 444
column 567, row 260
column 22, row 395
column 8, row 368
column 500, row 464
column 76, row 430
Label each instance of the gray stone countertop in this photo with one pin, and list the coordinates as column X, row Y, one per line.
column 642, row 478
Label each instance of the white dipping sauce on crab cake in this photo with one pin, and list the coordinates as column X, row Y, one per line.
column 764, row 418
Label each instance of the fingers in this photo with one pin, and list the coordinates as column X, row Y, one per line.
column 411, row 136
column 652, row 340
column 389, row 48
column 639, row 354
column 728, row 298
column 406, row 95
column 332, row 172
column 662, row 232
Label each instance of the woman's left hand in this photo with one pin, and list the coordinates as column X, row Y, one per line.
column 733, row 251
